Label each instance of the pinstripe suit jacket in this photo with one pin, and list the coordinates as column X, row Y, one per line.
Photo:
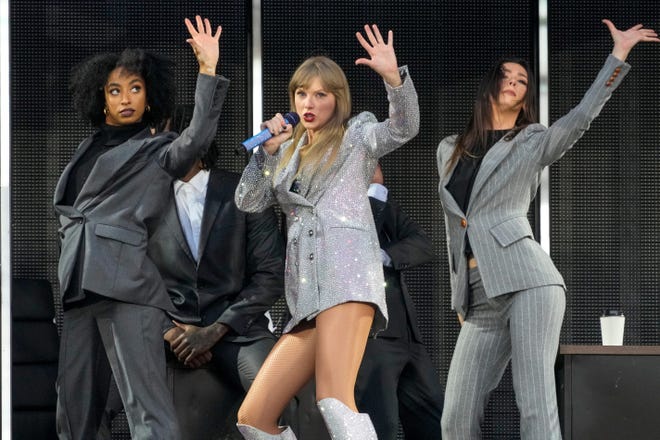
column 496, row 222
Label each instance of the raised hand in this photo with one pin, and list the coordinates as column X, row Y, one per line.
column 205, row 44
column 624, row 41
column 382, row 58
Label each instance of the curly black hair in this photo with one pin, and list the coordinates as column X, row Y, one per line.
column 90, row 76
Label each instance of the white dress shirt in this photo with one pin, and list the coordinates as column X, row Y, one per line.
column 190, row 197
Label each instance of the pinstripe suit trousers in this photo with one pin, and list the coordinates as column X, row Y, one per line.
column 522, row 327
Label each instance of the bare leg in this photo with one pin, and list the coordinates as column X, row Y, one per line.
column 288, row 367
column 342, row 333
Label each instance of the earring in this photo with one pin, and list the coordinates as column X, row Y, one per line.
column 105, row 111
column 148, row 108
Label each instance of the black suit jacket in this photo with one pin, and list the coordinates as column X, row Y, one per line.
column 240, row 273
column 408, row 246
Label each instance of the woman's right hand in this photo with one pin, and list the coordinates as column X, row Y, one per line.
column 624, row 41
column 280, row 130
column 205, row 45
column 382, row 58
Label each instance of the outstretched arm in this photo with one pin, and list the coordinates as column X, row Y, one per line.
column 382, row 58
column 566, row 131
column 624, row 41
column 210, row 93
column 403, row 122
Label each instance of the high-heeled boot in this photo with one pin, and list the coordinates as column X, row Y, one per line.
column 343, row 423
column 251, row 433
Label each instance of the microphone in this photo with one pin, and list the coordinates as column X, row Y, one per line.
column 261, row 137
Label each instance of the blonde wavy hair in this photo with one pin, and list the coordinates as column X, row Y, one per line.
column 330, row 136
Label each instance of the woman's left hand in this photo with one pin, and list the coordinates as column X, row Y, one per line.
column 205, row 45
column 624, row 41
column 382, row 58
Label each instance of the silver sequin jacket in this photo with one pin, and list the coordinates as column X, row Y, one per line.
column 333, row 255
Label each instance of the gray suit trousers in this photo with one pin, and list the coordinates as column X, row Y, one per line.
column 113, row 338
column 522, row 327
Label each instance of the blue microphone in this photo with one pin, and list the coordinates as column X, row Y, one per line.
column 261, row 137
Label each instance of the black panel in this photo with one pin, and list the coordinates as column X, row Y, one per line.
column 447, row 45
column 605, row 192
column 611, row 397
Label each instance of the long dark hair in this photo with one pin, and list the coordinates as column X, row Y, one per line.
column 475, row 136
column 90, row 76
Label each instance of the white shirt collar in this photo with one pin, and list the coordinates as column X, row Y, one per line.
column 199, row 181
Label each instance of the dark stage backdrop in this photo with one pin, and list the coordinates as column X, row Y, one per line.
column 604, row 194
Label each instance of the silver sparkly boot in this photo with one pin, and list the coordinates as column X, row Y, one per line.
column 251, row 433
column 345, row 424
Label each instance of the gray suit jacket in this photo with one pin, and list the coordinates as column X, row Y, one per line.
column 501, row 237
column 112, row 217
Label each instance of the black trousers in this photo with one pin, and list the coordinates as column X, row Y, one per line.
column 239, row 362
column 397, row 381
column 236, row 364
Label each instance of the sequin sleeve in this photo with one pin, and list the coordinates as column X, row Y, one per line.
column 402, row 125
column 254, row 192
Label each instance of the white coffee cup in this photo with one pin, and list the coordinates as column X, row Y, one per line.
column 611, row 327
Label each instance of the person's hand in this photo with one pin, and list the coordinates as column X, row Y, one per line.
column 172, row 334
column 624, row 41
column 280, row 130
column 205, row 45
column 200, row 360
column 382, row 58
column 195, row 341
column 461, row 321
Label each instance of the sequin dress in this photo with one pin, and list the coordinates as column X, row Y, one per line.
column 333, row 255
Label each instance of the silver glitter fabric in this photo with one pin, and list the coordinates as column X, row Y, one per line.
column 343, row 423
column 333, row 255
column 251, row 433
